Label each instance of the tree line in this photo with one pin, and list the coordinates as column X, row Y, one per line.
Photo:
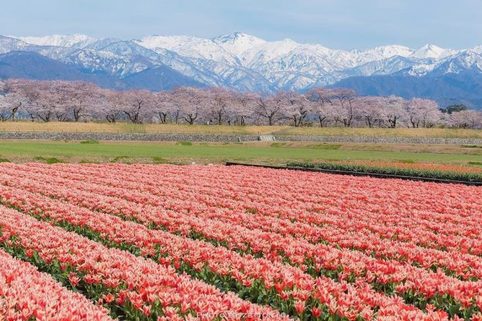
column 46, row 101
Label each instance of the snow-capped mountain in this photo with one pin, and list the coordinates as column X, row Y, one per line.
column 244, row 62
column 433, row 51
column 76, row 40
column 238, row 43
column 8, row 44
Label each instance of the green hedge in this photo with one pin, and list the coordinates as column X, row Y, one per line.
column 364, row 169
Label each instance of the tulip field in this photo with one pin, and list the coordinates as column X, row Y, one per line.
column 170, row 242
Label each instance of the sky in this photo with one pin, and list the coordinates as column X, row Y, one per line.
column 341, row 24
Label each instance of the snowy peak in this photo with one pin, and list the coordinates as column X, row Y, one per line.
column 477, row 49
column 432, row 51
column 8, row 44
column 75, row 40
column 238, row 37
column 383, row 52
column 468, row 59
column 165, row 42
column 192, row 47
column 238, row 42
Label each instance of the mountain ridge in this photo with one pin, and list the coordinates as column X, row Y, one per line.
column 31, row 65
column 247, row 63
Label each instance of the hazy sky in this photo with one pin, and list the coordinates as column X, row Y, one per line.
column 333, row 23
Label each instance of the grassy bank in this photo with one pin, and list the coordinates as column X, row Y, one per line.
column 24, row 126
column 273, row 153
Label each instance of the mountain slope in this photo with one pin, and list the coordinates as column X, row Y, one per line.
column 31, row 65
column 247, row 63
column 452, row 88
column 76, row 40
column 159, row 78
column 8, row 44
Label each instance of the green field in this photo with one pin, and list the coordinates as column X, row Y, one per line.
column 274, row 153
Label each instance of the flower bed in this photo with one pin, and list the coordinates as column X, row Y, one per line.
column 276, row 244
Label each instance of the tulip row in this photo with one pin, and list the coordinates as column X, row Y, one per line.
column 464, row 265
column 423, row 226
column 279, row 284
column 193, row 202
column 140, row 288
column 314, row 184
column 26, row 293
column 408, row 278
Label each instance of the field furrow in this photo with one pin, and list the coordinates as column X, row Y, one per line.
column 255, row 279
column 453, row 263
column 423, row 225
column 168, row 242
column 140, row 288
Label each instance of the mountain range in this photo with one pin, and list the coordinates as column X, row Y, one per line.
column 247, row 63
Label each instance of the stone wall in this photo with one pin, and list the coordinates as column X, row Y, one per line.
column 126, row 137
column 235, row 138
column 383, row 140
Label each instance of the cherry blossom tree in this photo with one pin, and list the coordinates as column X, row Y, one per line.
column 109, row 106
column 163, row 106
column 242, row 107
column 76, row 101
column 371, row 109
column 466, row 119
column 191, row 102
column 40, row 100
column 321, row 101
column 60, row 97
column 5, row 113
column 271, row 108
column 219, row 101
column 296, row 107
column 136, row 105
column 422, row 112
column 343, row 100
column 10, row 100
column 394, row 110
column 82, row 98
